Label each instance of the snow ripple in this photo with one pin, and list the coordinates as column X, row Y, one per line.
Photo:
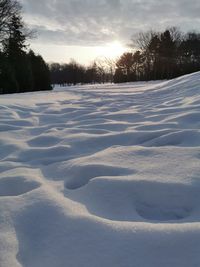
column 97, row 175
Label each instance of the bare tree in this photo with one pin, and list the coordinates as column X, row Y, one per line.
column 142, row 40
column 176, row 34
column 8, row 8
column 106, row 68
column 110, row 64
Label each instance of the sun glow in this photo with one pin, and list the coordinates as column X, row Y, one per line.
column 82, row 54
column 111, row 50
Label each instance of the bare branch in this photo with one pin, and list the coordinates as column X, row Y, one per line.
column 8, row 8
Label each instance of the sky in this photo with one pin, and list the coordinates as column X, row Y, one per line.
column 85, row 30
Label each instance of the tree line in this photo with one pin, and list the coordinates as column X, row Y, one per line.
column 20, row 70
column 72, row 73
column 161, row 55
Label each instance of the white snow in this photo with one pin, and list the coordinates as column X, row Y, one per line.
column 101, row 176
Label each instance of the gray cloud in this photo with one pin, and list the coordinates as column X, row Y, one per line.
column 90, row 22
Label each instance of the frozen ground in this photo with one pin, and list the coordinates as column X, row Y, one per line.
column 101, row 176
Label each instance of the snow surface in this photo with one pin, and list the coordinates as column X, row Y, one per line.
column 101, row 176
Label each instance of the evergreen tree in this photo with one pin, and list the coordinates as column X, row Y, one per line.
column 40, row 72
column 19, row 71
column 125, row 65
column 14, row 45
column 167, row 55
column 14, row 49
column 8, row 83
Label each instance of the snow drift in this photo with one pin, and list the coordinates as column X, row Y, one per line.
column 102, row 175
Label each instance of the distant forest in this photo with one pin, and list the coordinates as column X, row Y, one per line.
column 154, row 56
column 160, row 55
column 20, row 71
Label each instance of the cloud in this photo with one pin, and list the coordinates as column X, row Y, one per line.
column 90, row 22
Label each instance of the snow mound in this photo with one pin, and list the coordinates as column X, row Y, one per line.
column 139, row 201
column 101, row 175
column 14, row 186
column 79, row 176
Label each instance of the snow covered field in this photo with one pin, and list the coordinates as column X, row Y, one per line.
column 101, row 176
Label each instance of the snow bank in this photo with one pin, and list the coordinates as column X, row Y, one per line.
column 102, row 175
